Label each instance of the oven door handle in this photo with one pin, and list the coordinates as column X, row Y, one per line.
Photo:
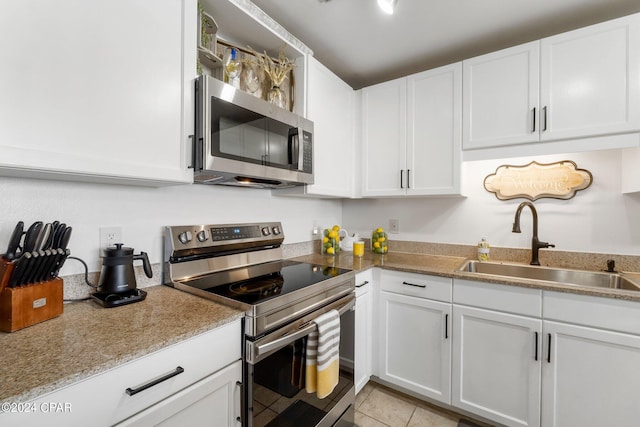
column 261, row 350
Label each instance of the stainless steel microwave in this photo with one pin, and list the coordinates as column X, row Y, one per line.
column 243, row 140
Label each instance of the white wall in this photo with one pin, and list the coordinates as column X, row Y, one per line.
column 598, row 219
column 142, row 212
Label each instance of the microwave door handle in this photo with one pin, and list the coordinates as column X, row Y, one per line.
column 293, row 146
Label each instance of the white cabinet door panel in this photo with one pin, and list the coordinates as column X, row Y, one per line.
column 384, row 137
column 591, row 377
column 434, row 130
column 95, row 98
column 331, row 106
column 213, row 401
column 590, row 80
column 500, row 92
column 495, row 373
column 415, row 344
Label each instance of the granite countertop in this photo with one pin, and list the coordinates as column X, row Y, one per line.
column 442, row 265
column 88, row 339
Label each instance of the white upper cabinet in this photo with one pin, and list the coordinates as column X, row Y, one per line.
column 384, row 132
column 501, row 97
column 97, row 100
column 590, row 80
column 434, row 106
column 331, row 107
column 411, row 133
column 580, row 84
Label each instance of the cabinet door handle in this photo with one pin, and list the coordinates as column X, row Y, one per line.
column 414, row 284
column 446, row 326
column 240, row 388
column 408, row 178
column 401, row 176
column 549, row 349
column 362, row 284
column 131, row 391
column 536, row 346
column 533, row 129
column 544, row 114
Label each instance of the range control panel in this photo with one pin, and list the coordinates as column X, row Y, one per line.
column 202, row 236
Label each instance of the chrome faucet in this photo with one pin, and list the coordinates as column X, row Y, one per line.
column 535, row 243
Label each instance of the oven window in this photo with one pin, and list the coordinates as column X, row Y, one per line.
column 279, row 395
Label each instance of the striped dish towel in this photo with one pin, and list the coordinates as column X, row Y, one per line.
column 323, row 355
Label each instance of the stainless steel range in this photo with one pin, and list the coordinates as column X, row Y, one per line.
column 241, row 265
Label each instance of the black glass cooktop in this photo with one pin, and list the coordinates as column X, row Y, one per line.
column 266, row 281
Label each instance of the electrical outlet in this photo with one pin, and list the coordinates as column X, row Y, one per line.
column 109, row 236
column 394, row 226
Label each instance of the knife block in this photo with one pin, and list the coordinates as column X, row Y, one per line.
column 27, row 305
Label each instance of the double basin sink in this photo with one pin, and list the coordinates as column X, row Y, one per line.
column 562, row 276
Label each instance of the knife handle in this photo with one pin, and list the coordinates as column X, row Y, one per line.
column 31, row 237
column 40, row 271
column 62, row 257
column 19, row 270
column 34, row 264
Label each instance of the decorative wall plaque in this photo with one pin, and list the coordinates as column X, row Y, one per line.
column 560, row 180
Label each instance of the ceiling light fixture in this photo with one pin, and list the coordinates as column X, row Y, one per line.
column 387, row 6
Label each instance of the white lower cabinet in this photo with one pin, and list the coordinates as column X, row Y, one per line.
column 526, row 358
column 213, row 401
column 590, row 374
column 414, row 336
column 176, row 383
column 357, row 354
column 364, row 329
column 496, row 352
column 496, row 370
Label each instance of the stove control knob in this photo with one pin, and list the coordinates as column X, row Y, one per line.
column 202, row 236
column 276, row 230
column 185, row 237
column 266, row 231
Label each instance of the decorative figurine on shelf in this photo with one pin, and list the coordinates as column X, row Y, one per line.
column 278, row 72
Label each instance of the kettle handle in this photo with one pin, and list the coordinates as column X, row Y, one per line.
column 145, row 263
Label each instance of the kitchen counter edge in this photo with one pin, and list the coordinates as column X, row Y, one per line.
column 88, row 340
column 447, row 266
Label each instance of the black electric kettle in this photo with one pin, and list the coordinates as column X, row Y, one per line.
column 117, row 274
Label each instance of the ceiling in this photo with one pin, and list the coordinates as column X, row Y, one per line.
column 364, row 46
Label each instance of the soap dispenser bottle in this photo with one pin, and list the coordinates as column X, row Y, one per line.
column 483, row 250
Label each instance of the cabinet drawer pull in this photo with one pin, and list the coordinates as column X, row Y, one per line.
column 549, row 349
column 414, row 284
column 366, row 282
column 536, row 346
column 131, row 391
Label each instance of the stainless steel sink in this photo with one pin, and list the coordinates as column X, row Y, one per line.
column 557, row 275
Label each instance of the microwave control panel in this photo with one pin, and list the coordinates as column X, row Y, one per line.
column 307, row 150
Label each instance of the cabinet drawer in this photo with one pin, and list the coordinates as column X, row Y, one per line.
column 606, row 313
column 102, row 400
column 364, row 282
column 510, row 299
column 417, row 285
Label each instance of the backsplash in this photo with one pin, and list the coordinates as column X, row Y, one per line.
column 75, row 287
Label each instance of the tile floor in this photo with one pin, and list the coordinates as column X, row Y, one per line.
column 379, row 406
